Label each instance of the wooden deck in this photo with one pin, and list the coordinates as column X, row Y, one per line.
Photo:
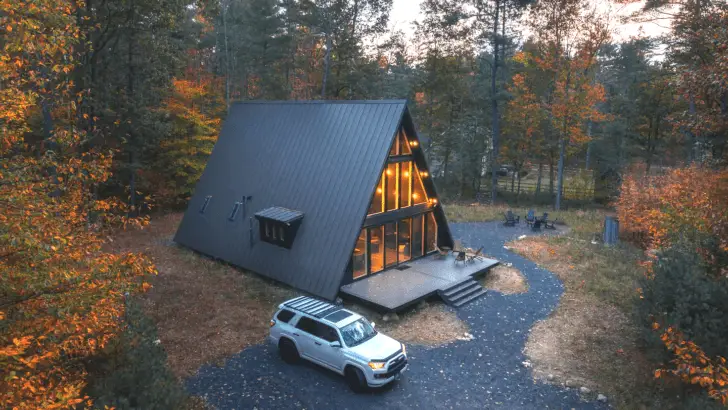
column 401, row 286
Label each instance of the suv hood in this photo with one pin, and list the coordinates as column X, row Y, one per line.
column 379, row 347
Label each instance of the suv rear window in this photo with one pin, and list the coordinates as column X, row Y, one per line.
column 285, row 315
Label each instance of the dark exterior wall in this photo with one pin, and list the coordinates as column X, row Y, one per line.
column 321, row 158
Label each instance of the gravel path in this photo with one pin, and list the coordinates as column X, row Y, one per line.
column 486, row 372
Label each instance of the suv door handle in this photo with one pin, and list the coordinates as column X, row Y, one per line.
column 296, row 334
column 318, row 343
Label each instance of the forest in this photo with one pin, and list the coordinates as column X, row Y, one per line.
column 109, row 110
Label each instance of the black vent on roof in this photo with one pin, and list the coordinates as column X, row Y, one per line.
column 204, row 205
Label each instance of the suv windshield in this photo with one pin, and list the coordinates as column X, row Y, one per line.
column 358, row 332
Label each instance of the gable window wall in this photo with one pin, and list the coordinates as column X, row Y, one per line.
column 396, row 241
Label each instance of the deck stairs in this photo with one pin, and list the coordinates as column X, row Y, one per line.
column 462, row 292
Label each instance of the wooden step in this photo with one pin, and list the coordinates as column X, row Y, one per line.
column 464, row 294
column 459, row 287
column 470, row 298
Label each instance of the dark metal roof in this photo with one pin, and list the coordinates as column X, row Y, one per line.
column 280, row 214
column 321, row 158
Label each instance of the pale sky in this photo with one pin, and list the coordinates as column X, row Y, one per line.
column 405, row 11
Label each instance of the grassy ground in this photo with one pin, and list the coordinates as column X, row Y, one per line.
column 582, row 222
column 591, row 339
column 205, row 310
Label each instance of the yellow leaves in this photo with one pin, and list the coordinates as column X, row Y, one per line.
column 9, row 28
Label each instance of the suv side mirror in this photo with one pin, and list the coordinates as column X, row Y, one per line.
column 373, row 324
column 335, row 344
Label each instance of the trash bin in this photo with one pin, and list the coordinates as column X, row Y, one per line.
column 611, row 230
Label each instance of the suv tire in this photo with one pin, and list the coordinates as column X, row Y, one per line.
column 288, row 351
column 355, row 379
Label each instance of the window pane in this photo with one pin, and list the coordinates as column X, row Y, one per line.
column 307, row 325
column 326, row 332
column 418, row 190
column 404, row 184
column 404, row 148
column 285, row 315
column 394, row 150
column 431, row 232
column 358, row 259
column 404, row 247
column 417, row 236
column 376, row 205
column 391, row 186
column 390, row 244
column 376, row 247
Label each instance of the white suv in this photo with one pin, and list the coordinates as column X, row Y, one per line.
column 337, row 339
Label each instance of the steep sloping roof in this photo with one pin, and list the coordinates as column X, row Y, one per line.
column 322, row 159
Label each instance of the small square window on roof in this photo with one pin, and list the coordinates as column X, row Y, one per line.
column 279, row 225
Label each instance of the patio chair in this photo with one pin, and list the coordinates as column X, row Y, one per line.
column 536, row 225
column 441, row 252
column 530, row 218
column 460, row 257
column 546, row 223
column 475, row 255
column 511, row 220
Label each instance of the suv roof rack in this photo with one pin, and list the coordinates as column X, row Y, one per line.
column 310, row 306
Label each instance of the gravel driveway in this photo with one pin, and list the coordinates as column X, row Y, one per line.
column 483, row 373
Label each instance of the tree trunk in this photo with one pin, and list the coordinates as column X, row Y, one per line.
column 560, row 187
column 551, row 173
column 562, row 145
column 130, row 112
column 225, row 8
column 588, row 144
column 540, row 175
column 494, row 107
column 327, row 58
column 513, row 180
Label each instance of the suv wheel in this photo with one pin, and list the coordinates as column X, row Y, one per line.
column 356, row 380
column 288, row 351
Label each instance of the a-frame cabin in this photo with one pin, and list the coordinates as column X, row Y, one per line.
column 317, row 195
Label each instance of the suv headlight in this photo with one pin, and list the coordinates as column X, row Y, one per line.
column 377, row 365
column 404, row 349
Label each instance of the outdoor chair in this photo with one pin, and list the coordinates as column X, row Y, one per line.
column 536, row 226
column 531, row 217
column 441, row 252
column 511, row 220
column 546, row 223
column 472, row 256
column 460, row 257
column 457, row 246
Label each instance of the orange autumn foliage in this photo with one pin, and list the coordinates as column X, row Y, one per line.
column 693, row 366
column 61, row 294
column 682, row 200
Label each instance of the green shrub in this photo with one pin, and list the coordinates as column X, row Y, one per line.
column 685, row 292
column 132, row 372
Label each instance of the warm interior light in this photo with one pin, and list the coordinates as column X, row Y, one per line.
column 434, row 201
column 415, row 196
column 413, row 143
column 406, row 173
column 423, row 173
column 389, row 172
column 379, row 190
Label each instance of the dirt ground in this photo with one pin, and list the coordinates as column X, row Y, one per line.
column 428, row 324
column 205, row 310
column 590, row 340
column 505, row 279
